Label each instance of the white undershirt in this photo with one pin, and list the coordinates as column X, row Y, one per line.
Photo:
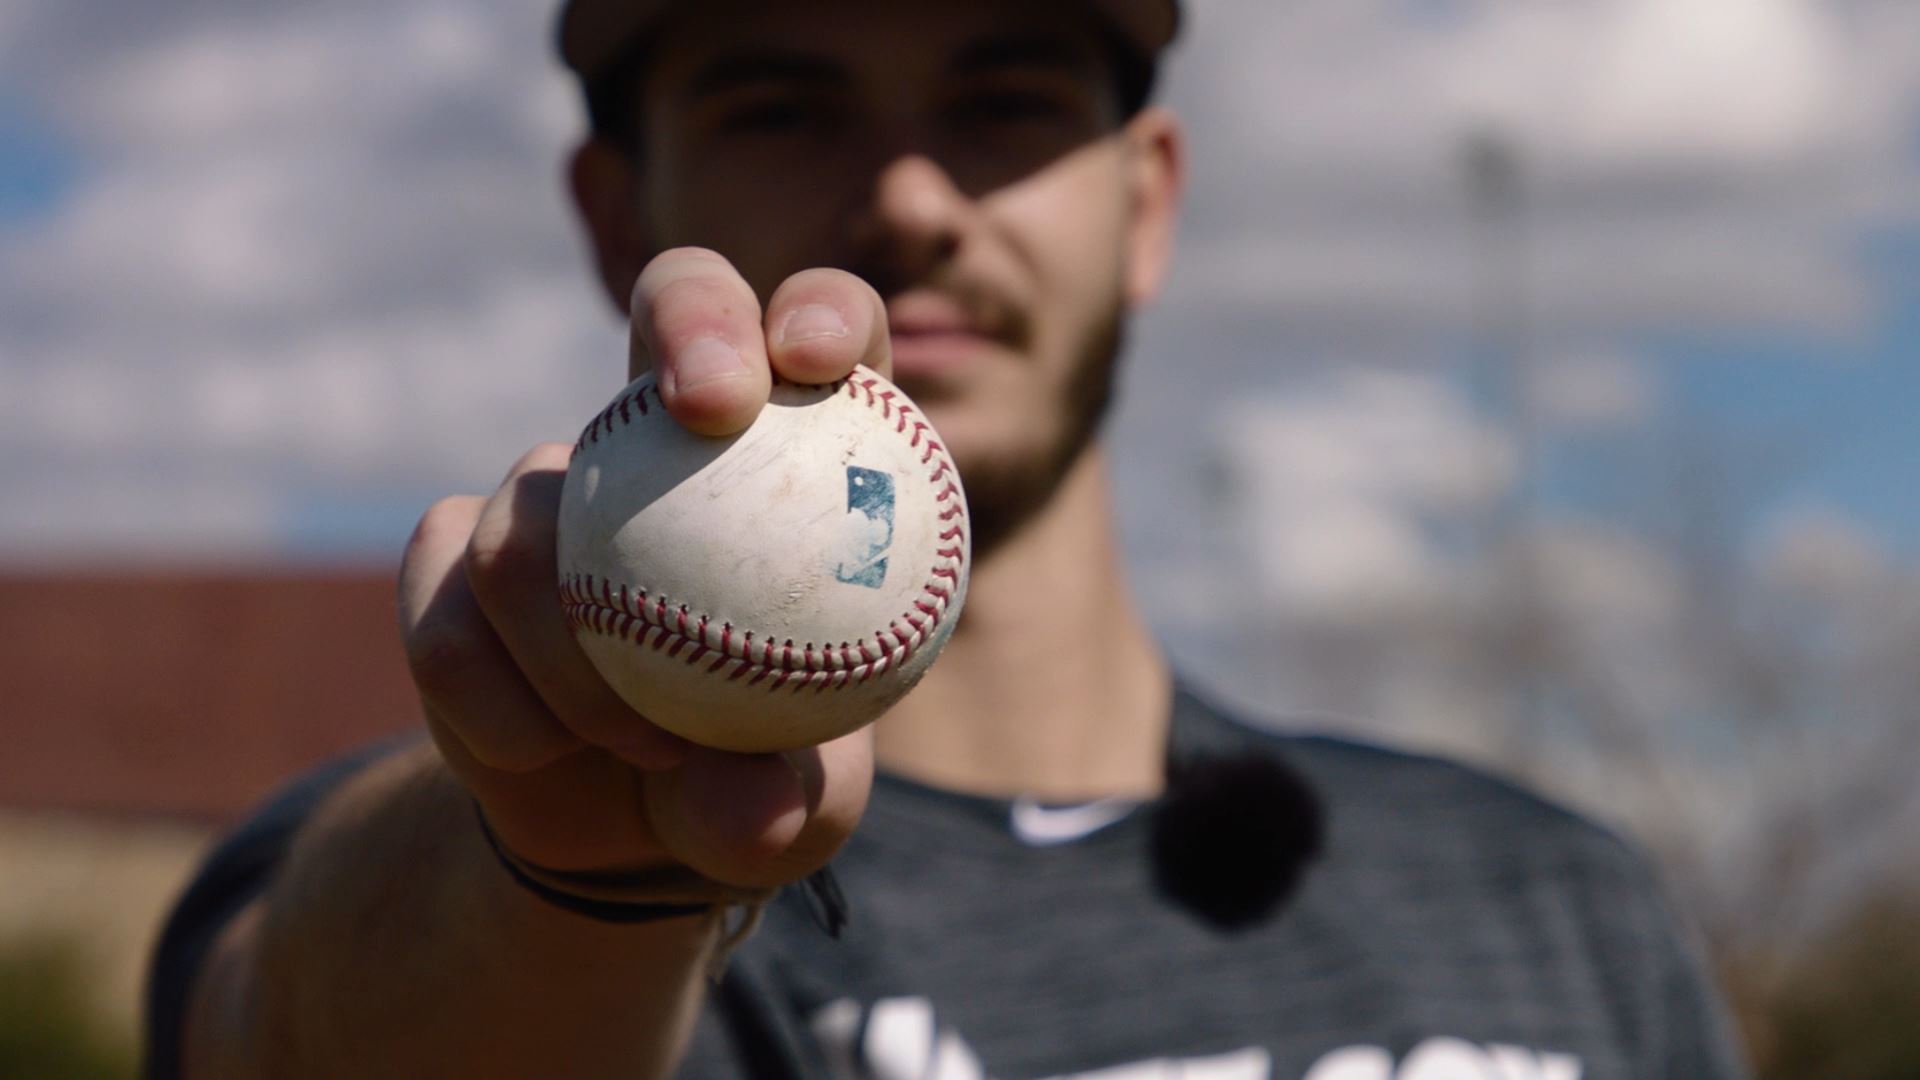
column 1040, row 825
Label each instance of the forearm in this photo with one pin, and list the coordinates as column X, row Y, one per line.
column 393, row 944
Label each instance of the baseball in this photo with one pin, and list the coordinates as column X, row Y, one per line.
column 767, row 590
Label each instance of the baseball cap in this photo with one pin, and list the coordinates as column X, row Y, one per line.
column 594, row 34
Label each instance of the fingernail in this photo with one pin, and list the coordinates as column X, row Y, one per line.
column 706, row 360
column 812, row 321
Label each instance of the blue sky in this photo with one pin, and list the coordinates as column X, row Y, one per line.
column 1852, row 408
column 37, row 166
column 1800, row 420
column 1852, row 404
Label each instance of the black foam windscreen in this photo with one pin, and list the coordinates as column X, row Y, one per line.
column 1234, row 836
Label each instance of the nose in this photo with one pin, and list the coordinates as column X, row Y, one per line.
column 911, row 221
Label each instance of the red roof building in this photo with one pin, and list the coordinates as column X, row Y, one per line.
column 190, row 695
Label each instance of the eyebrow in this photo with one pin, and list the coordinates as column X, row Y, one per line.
column 748, row 67
column 1020, row 51
column 731, row 71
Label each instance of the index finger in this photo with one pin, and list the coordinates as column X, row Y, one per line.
column 696, row 326
column 822, row 322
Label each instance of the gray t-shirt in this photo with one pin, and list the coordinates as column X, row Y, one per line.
column 1453, row 927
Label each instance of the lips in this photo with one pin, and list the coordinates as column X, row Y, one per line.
column 933, row 334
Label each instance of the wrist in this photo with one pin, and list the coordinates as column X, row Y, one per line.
column 619, row 897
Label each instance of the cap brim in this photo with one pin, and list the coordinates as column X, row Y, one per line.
column 592, row 34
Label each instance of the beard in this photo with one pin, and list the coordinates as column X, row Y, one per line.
column 1007, row 486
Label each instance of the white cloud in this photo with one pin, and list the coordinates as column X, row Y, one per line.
column 1822, row 555
column 1720, row 176
column 1747, row 82
column 114, row 518
column 1347, row 560
column 1408, row 437
column 1593, row 390
column 1597, row 578
column 315, row 250
column 1338, row 486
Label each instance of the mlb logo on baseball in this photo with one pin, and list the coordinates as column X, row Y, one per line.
column 868, row 528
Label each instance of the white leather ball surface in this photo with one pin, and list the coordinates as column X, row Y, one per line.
column 772, row 589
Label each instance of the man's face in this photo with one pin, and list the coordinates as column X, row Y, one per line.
column 968, row 160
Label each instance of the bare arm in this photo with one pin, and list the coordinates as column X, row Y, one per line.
column 392, row 942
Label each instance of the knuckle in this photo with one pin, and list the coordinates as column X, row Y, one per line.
column 511, row 751
column 447, row 521
column 679, row 264
column 543, row 457
column 475, row 727
column 549, row 455
column 501, row 557
column 687, row 307
column 441, row 656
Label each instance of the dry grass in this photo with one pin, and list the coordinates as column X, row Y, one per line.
column 83, row 903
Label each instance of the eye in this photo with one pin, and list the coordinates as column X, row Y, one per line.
column 777, row 116
column 1008, row 107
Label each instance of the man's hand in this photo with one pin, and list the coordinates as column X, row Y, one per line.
column 569, row 777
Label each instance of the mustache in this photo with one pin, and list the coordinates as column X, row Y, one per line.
column 987, row 308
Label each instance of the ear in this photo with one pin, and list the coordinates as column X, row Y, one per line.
column 1157, row 162
column 603, row 181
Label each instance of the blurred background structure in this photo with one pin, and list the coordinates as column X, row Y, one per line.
column 1537, row 384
